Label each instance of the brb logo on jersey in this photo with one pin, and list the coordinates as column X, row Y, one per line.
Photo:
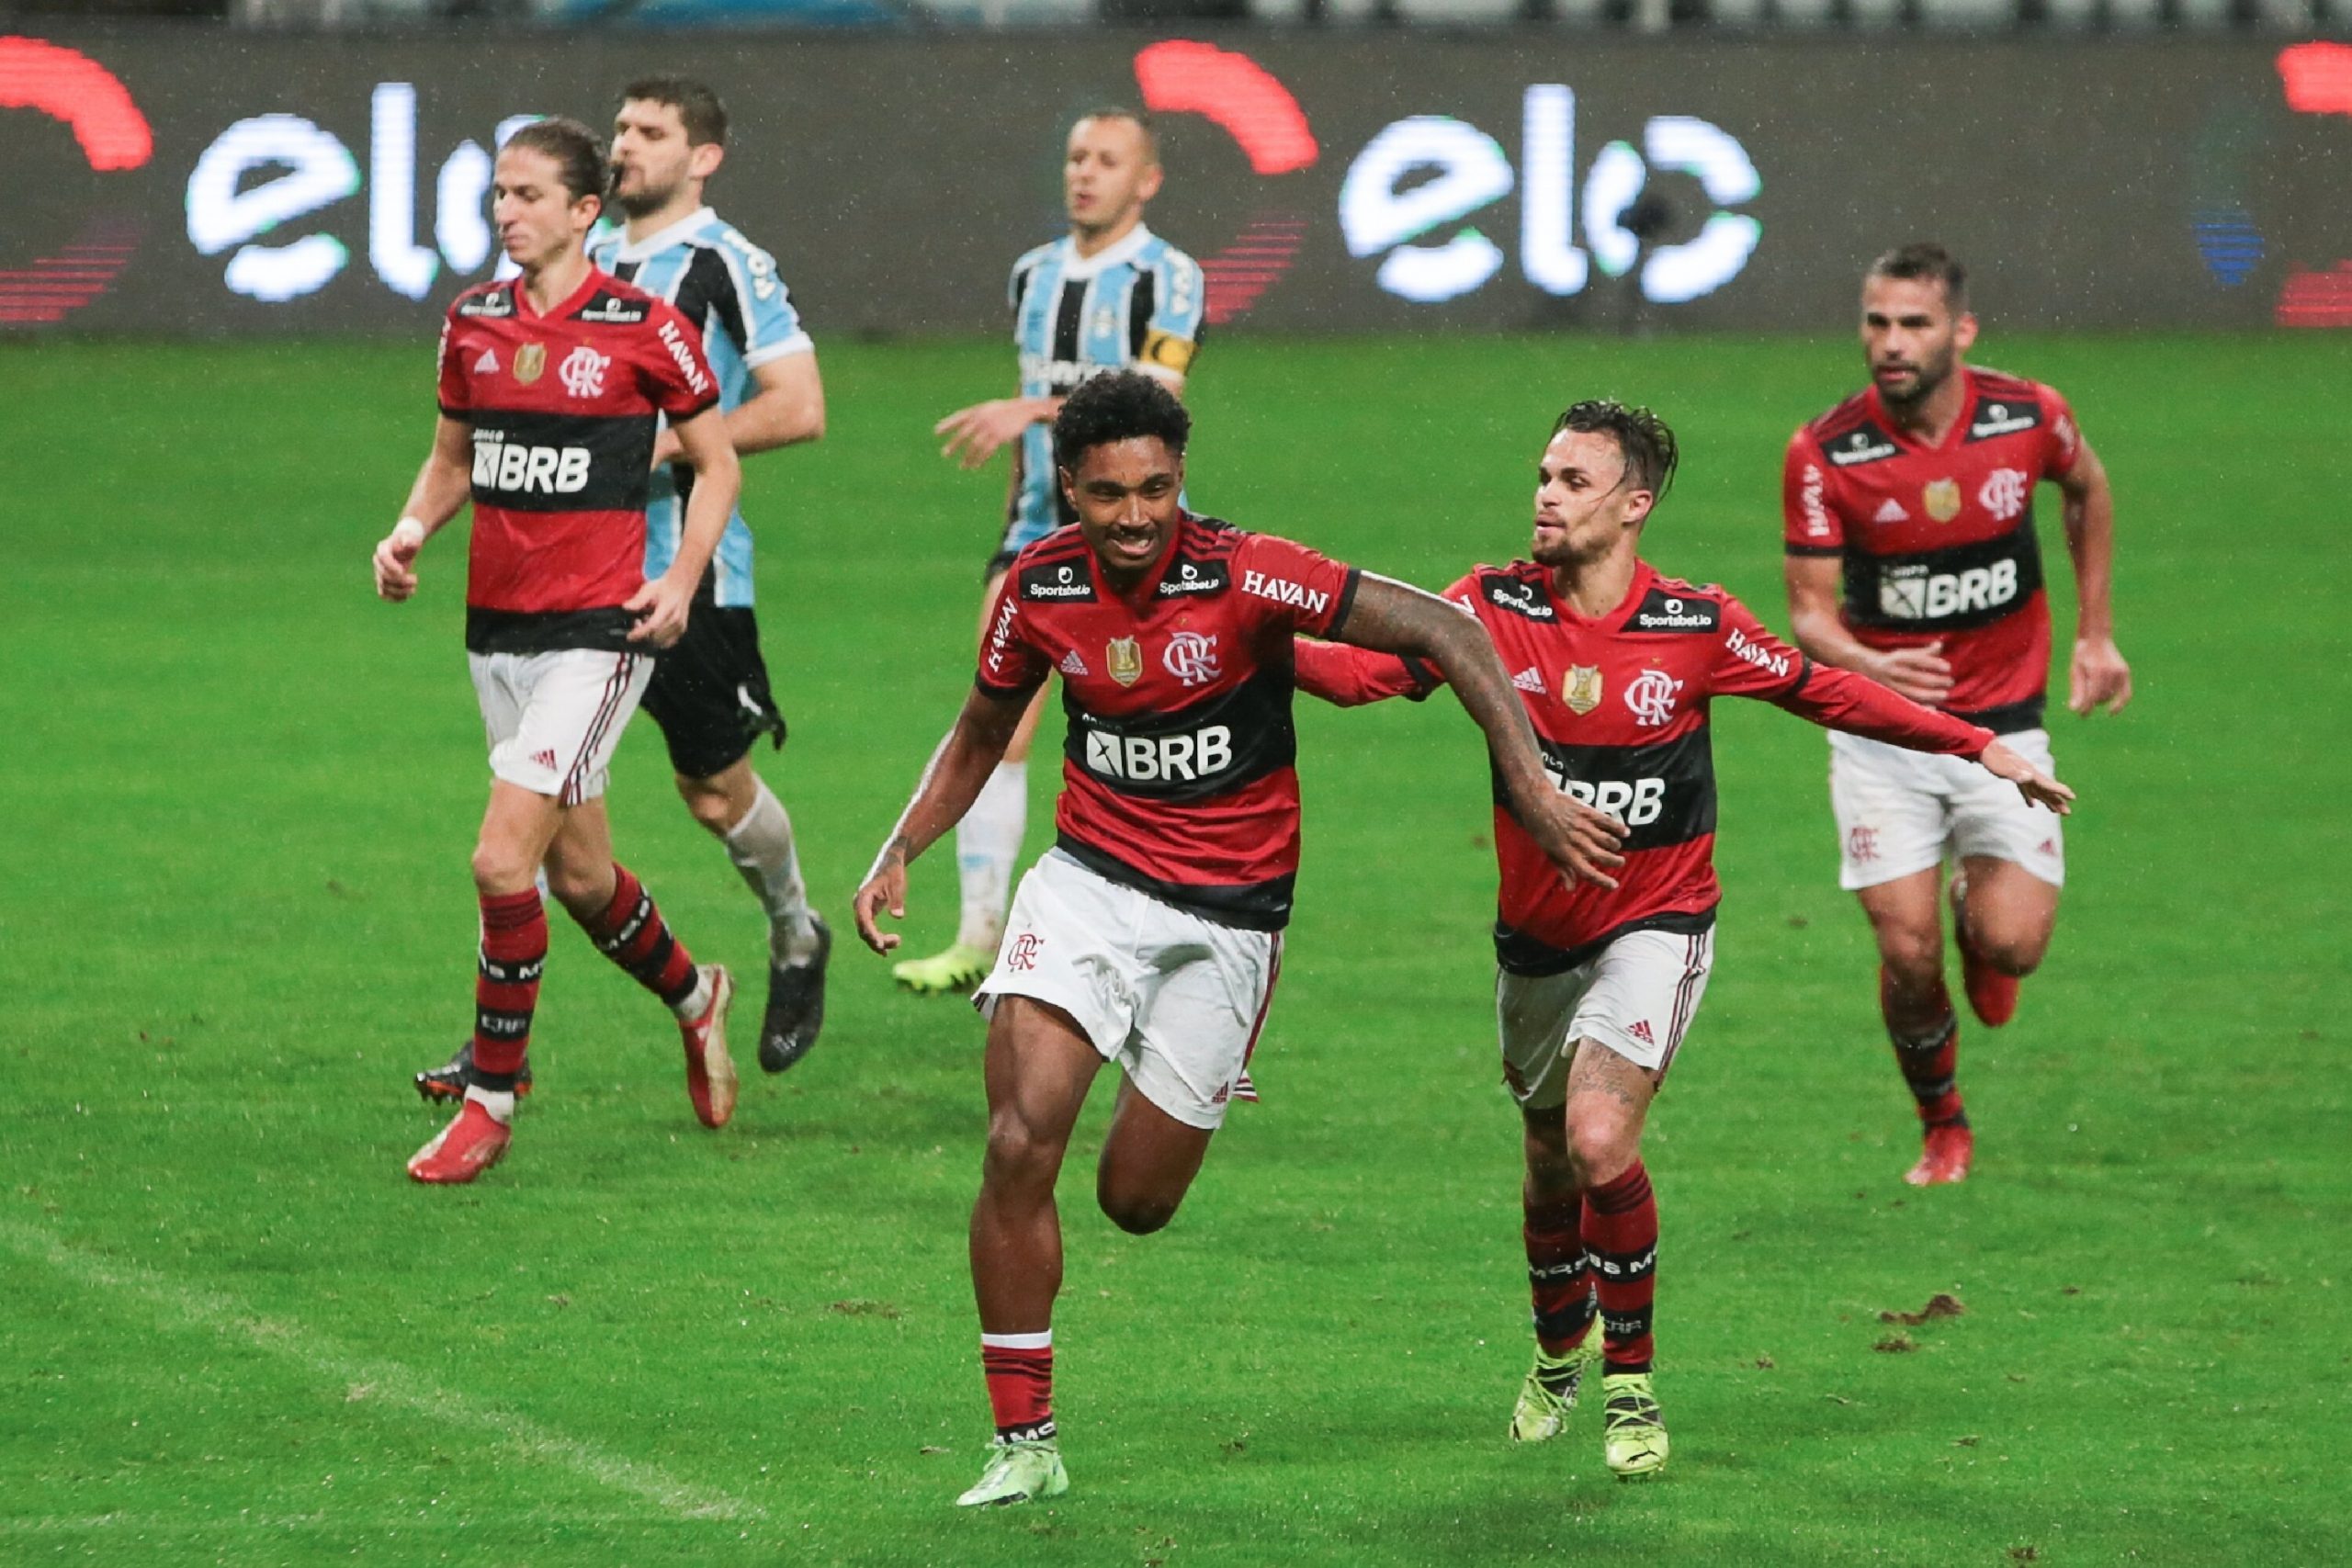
column 1915, row 593
column 1160, row 758
column 514, row 468
column 1636, row 803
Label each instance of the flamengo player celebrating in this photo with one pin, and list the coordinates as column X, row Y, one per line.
column 1150, row 935
column 1109, row 294
column 1919, row 490
column 550, row 387
column 1597, row 984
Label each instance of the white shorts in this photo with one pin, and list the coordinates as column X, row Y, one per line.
column 1901, row 812
column 1173, row 999
column 556, row 718
column 1638, row 998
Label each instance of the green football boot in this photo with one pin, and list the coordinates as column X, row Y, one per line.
column 958, row 969
column 1633, row 1434
column 1550, row 1391
column 1019, row 1472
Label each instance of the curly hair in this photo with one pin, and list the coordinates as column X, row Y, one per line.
column 1119, row 406
column 1646, row 441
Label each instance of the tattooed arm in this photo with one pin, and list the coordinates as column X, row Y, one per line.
column 1396, row 618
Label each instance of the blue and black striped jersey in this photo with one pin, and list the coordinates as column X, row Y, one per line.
column 729, row 288
column 1139, row 304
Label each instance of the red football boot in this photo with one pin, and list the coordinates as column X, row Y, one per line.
column 1950, row 1146
column 464, row 1149
column 710, row 1072
column 1992, row 996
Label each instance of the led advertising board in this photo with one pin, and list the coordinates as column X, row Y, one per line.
column 210, row 183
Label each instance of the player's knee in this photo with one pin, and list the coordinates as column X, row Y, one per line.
column 2015, row 955
column 1913, row 954
column 1017, row 1156
column 1136, row 1213
column 584, row 890
column 707, row 802
column 502, row 868
column 1603, row 1139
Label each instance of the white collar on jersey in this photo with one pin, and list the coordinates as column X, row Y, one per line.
column 1124, row 250
column 661, row 239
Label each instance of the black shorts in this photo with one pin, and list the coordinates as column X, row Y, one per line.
column 710, row 692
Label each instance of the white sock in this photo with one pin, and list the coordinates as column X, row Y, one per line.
column 694, row 1003
column 760, row 846
column 499, row 1102
column 987, row 846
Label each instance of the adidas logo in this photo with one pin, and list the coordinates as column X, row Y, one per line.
column 1641, row 1031
column 543, row 758
column 488, row 364
column 1529, row 680
column 1892, row 512
column 1072, row 664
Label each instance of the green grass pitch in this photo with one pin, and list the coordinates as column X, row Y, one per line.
column 237, row 799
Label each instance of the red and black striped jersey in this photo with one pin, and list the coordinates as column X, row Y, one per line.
column 1938, row 542
column 1619, row 705
column 563, row 410
column 1179, row 773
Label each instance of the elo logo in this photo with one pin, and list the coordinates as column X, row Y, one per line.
column 315, row 170
column 1420, row 174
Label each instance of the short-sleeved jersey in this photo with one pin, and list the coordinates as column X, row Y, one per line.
column 729, row 290
column 1140, row 304
column 1938, row 542
column 1179, row 774
column 1620, row 707
column 562, row 407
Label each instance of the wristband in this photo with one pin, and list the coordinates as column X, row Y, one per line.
column 410, row 529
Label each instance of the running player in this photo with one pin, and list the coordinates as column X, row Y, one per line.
column 709, row 693
column 1109, row 294
column 1150, row 935
column 1918, row 492
column 1596, row 986
column 550, row 385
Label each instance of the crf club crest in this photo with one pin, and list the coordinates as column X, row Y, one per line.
column 1651, row 698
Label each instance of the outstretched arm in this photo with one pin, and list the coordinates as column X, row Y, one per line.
column 1350, row 677
column 951, row 781
column 2096, row 674
column 1395, row 618
column 1839, row 699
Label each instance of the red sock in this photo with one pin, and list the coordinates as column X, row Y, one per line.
column 632, row 933
column 1559, row 1274
column 1926, row 1037
column 1020, row 1368
column 1620, row 1227
column 506, row 988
